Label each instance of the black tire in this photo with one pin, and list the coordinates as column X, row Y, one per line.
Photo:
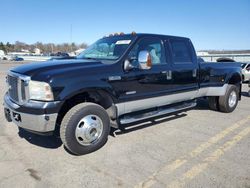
column 224, row 100
column 213, row 103
column 70, row 122
column 243, row 78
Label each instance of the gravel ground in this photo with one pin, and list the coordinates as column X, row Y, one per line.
column 199, row 148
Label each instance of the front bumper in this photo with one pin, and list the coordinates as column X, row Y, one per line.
column 34, row 122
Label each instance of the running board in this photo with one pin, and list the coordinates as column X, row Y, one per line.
column 126, row 119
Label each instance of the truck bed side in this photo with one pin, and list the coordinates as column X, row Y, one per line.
column 214, row 77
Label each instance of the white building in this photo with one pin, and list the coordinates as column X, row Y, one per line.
column 37, row 51
column 200, row 53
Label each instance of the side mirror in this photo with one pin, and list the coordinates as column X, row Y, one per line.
column 145, row 60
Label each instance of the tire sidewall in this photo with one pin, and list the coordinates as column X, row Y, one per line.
column 230, row 90
column 72, row 142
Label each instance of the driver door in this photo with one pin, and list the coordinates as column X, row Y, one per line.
column 143, row 87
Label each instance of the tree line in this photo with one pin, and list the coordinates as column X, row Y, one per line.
column 45, row 48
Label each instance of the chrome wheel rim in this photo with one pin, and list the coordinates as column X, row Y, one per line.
column 232, row 99
column 89, row 130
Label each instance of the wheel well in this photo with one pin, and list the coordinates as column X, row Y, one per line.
column 100, row 97
column 235, row 79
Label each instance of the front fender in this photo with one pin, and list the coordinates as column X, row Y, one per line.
column 78, row 87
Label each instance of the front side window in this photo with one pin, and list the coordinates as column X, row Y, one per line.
column 180, row 51
column 153, row 46
column 110, row 48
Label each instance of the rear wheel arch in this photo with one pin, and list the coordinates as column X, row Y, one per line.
column 235, row 79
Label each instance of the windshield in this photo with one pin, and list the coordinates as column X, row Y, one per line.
column 110, row 48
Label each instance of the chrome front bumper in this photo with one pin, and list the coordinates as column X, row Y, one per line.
column 41, row 123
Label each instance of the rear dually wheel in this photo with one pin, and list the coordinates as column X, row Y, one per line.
column 229, row 101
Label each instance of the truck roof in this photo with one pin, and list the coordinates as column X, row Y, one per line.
column 160, row 35
column 151, row 35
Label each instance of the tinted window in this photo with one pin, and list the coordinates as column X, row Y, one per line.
column 153, row 46
column 181, row 53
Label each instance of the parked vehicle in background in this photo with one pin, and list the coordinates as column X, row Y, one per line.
column 60, row 56
column 16, row 58
column 118, row 80
column 245, row 72
column 2, row 54
column 249, row 88
column 8, row 57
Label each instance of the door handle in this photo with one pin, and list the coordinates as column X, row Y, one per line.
column 168, row 74
column 194, row 72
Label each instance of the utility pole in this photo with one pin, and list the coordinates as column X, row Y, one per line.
column 52, row 48
column 71, row 37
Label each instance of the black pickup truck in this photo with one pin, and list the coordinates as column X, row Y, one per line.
column 120, row 79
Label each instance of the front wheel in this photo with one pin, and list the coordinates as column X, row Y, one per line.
column 229, row 101
column 85, row 128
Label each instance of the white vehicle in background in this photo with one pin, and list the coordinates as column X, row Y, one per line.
column 245, row 72
column 2, row 54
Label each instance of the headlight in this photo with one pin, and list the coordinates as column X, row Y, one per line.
column 40, row 91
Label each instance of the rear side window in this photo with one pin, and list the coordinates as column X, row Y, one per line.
column 181, row 52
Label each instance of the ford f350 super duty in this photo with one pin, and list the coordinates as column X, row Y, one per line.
column 120, row 79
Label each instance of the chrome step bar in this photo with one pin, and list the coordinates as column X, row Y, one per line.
column 161, row 111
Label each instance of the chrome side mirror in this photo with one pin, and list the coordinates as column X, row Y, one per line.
column 145, row 60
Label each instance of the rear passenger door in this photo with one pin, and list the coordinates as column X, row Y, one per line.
column 184, row 67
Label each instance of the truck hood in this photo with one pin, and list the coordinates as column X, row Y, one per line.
column 50, row 68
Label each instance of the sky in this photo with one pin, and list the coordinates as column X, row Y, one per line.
column 210, row 24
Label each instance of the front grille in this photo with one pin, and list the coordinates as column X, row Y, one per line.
column 17, row 87
column 13, row 87
column 23, row 90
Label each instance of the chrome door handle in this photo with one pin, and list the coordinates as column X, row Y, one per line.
column 194, row 72
column 168, row 74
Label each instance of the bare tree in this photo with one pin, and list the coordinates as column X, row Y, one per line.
column 46, row 48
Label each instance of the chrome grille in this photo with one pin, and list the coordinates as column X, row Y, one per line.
column 13, row 87
column 18, row 87
column 23, row 94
